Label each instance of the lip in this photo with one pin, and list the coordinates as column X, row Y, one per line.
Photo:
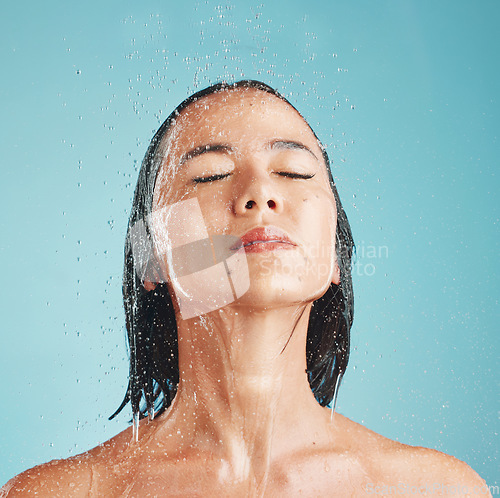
column 266, row 238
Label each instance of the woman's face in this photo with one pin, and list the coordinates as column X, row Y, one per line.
column 250, row 169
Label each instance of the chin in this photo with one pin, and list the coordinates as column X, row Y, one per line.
column 281, row 290
column 288, row 277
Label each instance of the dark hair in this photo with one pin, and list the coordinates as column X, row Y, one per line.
column 150, row 318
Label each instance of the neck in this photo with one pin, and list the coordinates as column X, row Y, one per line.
column 243, row 380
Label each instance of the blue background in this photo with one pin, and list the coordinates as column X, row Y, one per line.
column 405, row 96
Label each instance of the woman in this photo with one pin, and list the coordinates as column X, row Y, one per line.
column 238, row 300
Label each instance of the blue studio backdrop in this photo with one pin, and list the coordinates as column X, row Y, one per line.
column 404, row 94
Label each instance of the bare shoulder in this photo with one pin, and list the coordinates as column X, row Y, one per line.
column 405, row 467
column 74, row 476
column 70, row 477
column 443, row 472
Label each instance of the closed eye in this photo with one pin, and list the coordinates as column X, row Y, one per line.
column 211, row 178
column 300, row 176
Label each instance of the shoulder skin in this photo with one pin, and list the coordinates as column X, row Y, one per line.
column 71, row 477
column 408, row 469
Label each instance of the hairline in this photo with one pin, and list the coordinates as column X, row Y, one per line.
column 163, row 140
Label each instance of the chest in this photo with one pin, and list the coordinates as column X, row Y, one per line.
column 206, row 478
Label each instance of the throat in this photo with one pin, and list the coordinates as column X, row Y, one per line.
column 244, row 382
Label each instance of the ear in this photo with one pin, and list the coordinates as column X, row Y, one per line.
column 149, row 286
column 336, row 274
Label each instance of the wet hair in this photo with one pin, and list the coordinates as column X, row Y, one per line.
column 150, row 317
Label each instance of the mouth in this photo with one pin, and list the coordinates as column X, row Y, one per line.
column 261, row 239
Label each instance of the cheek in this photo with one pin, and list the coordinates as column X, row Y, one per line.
column 321, row 214
column 320, row 221
column 216, row 207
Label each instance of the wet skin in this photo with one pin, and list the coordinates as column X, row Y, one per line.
column 244, row 421
column 251, row 161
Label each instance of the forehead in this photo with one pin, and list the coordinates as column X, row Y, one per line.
column 246, row 116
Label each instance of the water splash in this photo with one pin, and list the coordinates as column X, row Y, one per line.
column 135, row 426
column 335, row 395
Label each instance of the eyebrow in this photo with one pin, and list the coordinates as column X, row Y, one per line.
column 203, row 149
column 293, row 145
column 277, row 144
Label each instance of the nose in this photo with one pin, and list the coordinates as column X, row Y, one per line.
column 257, row 194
